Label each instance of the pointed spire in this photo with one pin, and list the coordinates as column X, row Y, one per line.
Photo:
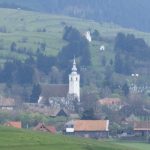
column 74, row 68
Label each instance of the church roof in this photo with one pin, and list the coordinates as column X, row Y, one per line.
column 54, row 90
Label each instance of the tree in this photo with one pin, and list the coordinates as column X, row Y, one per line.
column 85, row 53
column 1, row 44
column 88, row 114
column 103, row 60
column 24, row 74
column 6, row 74
column 120, row 42
column 108, row 79
column 42, row 46
column 78, row 46
column 36, row 91
column 96, row 35
column 44, row 63
column 125, row 89
column 13, row 46
column 55, row 75
column 71, row 34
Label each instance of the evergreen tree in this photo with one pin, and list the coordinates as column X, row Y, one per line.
column 88, row 114
column 78, row 46
column 36, row 91
column 118, row 64
column 96, row 35
column 13, row 46
column 125, row 89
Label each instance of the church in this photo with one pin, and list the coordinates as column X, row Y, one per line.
column 74, row 82
column 63, row 95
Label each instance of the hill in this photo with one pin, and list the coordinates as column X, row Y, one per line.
column 23, row 33
column 13, row 139
column 127, row 13
column 24, row 28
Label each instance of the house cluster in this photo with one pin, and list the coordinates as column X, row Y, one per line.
column 97, row 129
column 60, row 100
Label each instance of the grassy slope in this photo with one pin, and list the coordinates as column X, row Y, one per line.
column 22, row 24
column 138, row 146
column 12, row 139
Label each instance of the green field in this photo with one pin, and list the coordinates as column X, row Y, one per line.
column 13, row 139
column 138, row 146
column 22, row 25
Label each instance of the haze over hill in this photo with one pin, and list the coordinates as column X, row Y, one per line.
column 128, row 13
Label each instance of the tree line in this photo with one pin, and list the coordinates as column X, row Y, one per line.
column 15, row 71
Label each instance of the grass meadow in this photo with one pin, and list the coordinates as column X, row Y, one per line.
column 16, row 139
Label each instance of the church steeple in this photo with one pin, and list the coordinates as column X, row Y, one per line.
column 74, row 82
column 74, row 68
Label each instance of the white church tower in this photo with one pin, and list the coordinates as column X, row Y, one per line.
column 74, row 82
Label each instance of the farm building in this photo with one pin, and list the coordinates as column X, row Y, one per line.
column 15, row 124
column 45, row 128
column 88, row 128
column 142, row 127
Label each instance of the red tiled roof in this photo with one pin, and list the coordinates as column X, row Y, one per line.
column 7, row 102
column 91, row 125
column 43, row 127
column 52, row 129
column 15, row 124
column 109, row 101
column 142, row 125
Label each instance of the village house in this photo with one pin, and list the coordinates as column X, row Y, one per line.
column 45, row 128
column 7, row 103
column 88, row 128
column 142, row 128
column 14, row 124
column 113, row 103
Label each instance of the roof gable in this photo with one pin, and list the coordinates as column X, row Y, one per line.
column 54, row 112
column 43, row 127
column 62, row 112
